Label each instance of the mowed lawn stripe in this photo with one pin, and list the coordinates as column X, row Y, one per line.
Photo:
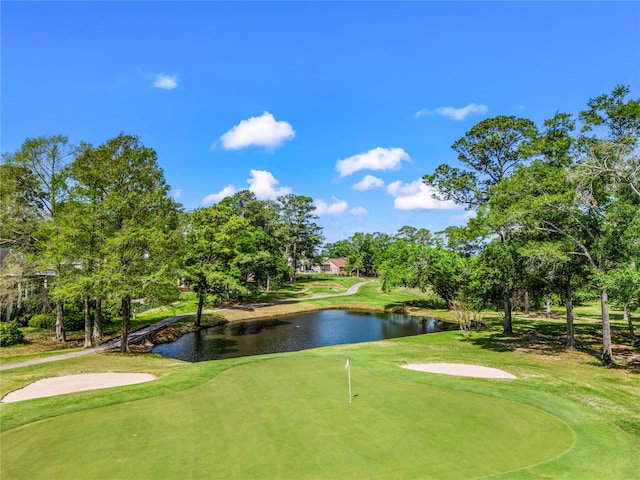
column 290, row 418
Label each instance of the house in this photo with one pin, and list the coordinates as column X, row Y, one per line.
column 336, row 266
column 17, row 284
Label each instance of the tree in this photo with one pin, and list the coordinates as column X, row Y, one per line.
column 623, row 286
column 498, row 275
column 607, row 188
column 210, row 252
column 414, row 235
column 339, row 249
column 301, row 236
column 410, row 262
column 539, row 192
column 35, row 186
column 262, row 257
column 138, row 223
column 490, row 151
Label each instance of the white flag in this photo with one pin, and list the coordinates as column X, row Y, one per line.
column 347, row 365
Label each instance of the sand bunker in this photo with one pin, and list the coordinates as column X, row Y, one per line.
column 459, row 369
column 48, row 387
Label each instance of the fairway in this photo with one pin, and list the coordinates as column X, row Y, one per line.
column 289, row 418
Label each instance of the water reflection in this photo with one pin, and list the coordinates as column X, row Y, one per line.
column 296, row 332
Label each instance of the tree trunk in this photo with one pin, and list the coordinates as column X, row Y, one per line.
column 97, row 322
column 199, row 312
column 607, row 354
column 548, row 315
column 508, row 325
column 60, row 334
column 87, row 322
column 126, row 323
column 9, row 310
column 571, row 341
column 268, row 283
column 526, row 302
column 627, row 317
column 294, row 261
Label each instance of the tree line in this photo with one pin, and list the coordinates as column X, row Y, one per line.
column 96, row 226
column 557, row 213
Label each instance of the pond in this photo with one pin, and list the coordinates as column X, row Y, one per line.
column 296, row 332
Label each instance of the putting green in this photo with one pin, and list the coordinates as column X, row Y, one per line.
column 290, row 418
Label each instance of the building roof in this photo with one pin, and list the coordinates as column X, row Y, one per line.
column 339, row 262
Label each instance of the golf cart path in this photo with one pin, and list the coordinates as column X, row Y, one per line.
column 139, row 334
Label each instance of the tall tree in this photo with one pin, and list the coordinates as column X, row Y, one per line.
column 138, row 221
column 301, row 235
column 607, row 187
column 212, row 252
column 262, row 257
column 489, row 151
column 34, row 189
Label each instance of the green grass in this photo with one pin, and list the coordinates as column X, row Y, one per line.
column 288, row 416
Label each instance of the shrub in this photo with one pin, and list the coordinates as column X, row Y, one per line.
column 42, row 321
column 73, row 321
column 10, row 334
column 30, row 306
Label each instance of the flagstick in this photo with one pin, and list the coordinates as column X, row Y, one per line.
column 348, row 366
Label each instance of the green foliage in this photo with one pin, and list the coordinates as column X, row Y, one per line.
column 301, row 236
column 10, row 334
column 30, row 306
column 42, row 321
column 490, row 151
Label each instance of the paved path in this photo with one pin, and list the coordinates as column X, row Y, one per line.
column 138, row 335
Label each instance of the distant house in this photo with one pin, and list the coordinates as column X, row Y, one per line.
column 336, row 266
column 18, row 285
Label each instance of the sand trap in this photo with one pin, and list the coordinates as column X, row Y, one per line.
column 459, row 369
column 49, row 387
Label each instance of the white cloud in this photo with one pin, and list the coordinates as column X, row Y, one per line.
column 376, row 159
column 262, row 131
column 369, row 181
column 462, row 113
column 416, row 195
column 422, row 113
column 338, row 207
column 216, row 197
column 165, row 82
column 177, row 193
column 358, row 211
column 265, row 186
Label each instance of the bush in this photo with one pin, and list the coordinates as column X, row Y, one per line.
column 42, row 321
column 10, row 334
column 73, row 321
column 29, row 307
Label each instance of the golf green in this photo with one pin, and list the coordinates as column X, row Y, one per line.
column 290, row 418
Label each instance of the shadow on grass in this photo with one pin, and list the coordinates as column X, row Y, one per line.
column 550, row 339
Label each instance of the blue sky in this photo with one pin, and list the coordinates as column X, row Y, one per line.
column 348, row 103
